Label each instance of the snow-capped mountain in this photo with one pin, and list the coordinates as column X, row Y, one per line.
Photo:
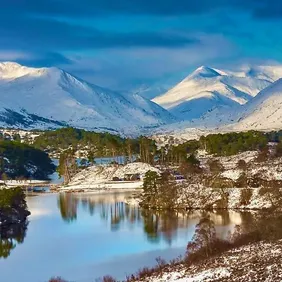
column 208, row 89
column 50, row 97
column 263, row 112
column 208, row 98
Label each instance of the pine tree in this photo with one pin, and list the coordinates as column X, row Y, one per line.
column 204, row 238
column 150, row 189
column 91, row 157
column 67, row 165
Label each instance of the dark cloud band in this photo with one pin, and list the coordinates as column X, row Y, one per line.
column 38, row 33
column 75, row 8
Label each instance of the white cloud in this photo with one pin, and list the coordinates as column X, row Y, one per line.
column 13, row 55
column 116, row 68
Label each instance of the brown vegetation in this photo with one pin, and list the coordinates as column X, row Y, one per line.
column 57, row 279
column 108, row 279
column 245, row 196
column 242, row 165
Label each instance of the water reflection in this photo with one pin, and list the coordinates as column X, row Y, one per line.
column 10, row 236
column 68, row 207
column 156, row 225
column 97, row 235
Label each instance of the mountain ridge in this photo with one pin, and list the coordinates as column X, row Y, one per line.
column 199, row 92
column 48, row 98
column 55, row 95
column 259, row 109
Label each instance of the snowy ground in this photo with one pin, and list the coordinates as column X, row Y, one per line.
column 268, row 170
column 121, row 185
column 199, row 197
column 101, row 177
column 255, row 262
column 24, row 134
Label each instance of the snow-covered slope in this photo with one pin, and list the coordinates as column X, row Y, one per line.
column 264, row 112
column 101, row 176
column 208, row 98
column 208, row 89
column 263, row 72
column 47, row 97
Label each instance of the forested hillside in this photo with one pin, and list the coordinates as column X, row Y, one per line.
column 105, row 144
column 19, row 160
column 93, row 144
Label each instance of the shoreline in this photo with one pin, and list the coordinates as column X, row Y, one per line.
column 133, row 202
column 93, row 191
column 103, row 191
column 114, row 185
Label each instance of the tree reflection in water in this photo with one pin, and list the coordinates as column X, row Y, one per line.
column 68, row 206
column 111, row 208
column 10, row 236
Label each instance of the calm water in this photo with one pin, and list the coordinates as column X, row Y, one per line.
column 83, row 237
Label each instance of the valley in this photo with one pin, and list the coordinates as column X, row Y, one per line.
column 203, row 158
column 140, row 141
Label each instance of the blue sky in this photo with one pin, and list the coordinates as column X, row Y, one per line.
column 120, row 43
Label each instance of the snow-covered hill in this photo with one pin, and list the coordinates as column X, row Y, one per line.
column 50, row 97
column 264, row 112
column 102, row 177
column 208, row 89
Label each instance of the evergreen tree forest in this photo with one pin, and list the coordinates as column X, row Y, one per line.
column 19, row 160
column 144, row 149
column 233, row 143
column 159, row 191
column 96, row 144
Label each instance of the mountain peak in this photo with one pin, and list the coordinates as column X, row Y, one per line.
column 13, row 70
column 10, row 64
column 204, row 72
column 41, row 95
column 203, row 68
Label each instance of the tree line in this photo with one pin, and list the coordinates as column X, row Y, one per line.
column 110, row 145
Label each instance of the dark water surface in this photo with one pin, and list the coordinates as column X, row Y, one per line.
column 83, row 237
